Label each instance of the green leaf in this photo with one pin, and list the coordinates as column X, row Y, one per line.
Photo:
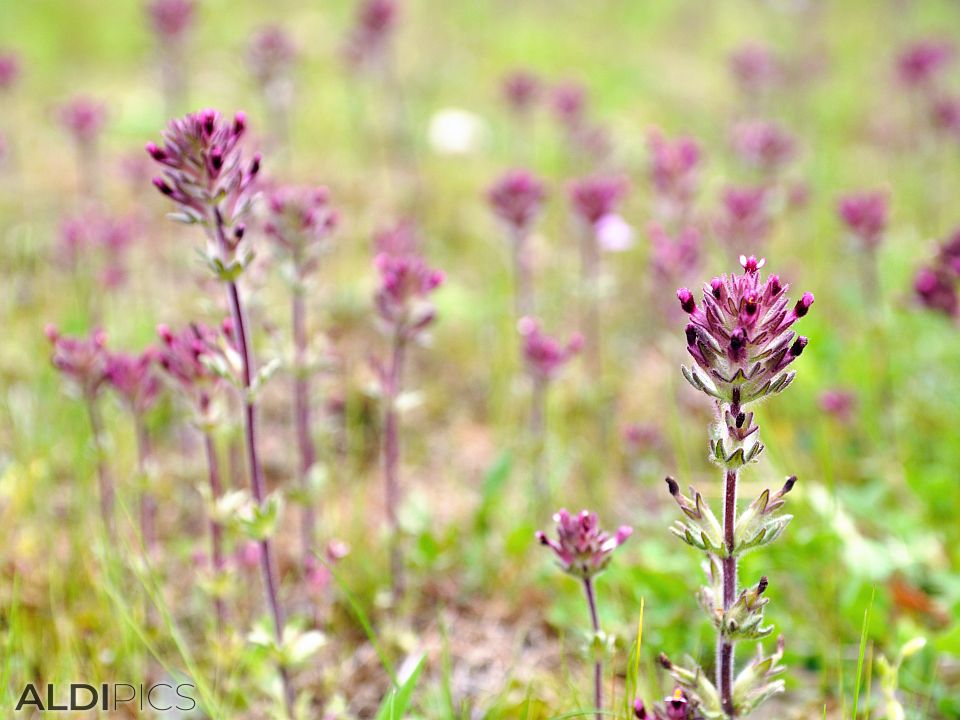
column 395, row 703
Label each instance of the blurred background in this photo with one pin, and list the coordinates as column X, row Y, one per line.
column 733, row 128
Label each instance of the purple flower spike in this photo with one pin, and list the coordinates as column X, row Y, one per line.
column 375, row 24
column 406, row 284
column 134, row 379
column 270, row 54
column 937, row 290
column 188, row 357
column 865, row 215
column 83, row 118
column 755, row 68
column 82, row 360
column 740, row 335
column 521, row 90
column 569, row 103
column 299, row 222
column 171, row 19
column 763, row 145
column 596, row 197
column 919, row 63
column 545, row 356
column 581, row 547
column 517, row 198
column 745, row 218
column 9, row 69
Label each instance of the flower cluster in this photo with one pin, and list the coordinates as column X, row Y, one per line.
column 674, row 169
column 188, row 358
column 936, row 284
column 596, row 198
column 375, row 23
column 763, row 145
column 568, row 100
column 674, row 256
column 919, row 63
column 517, row 198
column 545, row 356
column 171, row 19
column 865, row 215
column 406, row 284
column 521, row 90
column 93, row 231
column 82, row 360
column 755, row 68
column 270, row 55
column 581, row 547
column 741, row 337
column 299, row 221
column 134, row 379
column 83, row 118
column 745, row 216
column 9, row 69
column 207, row 176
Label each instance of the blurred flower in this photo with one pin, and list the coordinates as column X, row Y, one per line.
column 674, row 172
column 641, row 437
column 299, row 222
column 745, row 220
column 521, row 90
column 763, row 145
column 945, row 115
column 403, row 298
column 93, row 231
column 674, row 256
column 82, row 360
column 937, row 290
column 741, row 338
column 454, row 131
column 83, row 118
column 949, row 253
column 581, row 547
column 187, row 358
column 206, row 175
column 375, row 23
column 596, row 197
column 134, row 379
column 568, row 101
column 545, row 356
column 516, row 198
column 839, row 403
column 399, row 239
column 755, row 68
column 170, row 19
column 919, row 63
column 270, row 55
column 9, row 69
column 865, row 215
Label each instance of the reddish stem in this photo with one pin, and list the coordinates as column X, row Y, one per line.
column 725, row 649
column 598, row 665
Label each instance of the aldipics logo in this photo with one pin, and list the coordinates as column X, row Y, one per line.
column 161, row 697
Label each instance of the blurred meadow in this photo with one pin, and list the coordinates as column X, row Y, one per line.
column 417, row 133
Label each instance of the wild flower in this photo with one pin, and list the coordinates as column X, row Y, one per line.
column 865, row 214
column 675, row 706
column 299, row 223
column 936, row 285
column 271, row 56
column 945, row 116
column 171, row 19
column 405, row 310
column 583, row 550
column 206, row 175
column 674, row 171
column 84, row 119
column 83, row 361
column 763, row 145
column 135, row 381
column 839, row 403
column 741, row 340
column 677, row 256
column 96, row 234
column 755, row 69
column 920, row 63
column 568, row 101
column 522, row 90
column 745, row 218
column 517, row 199
column 593, row 200
column 375, row 25
column 9, row 69
column 195, row 359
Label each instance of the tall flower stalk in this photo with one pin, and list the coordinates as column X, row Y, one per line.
column 544, row 358
column 299, row 223
column 83, row 362
column 188, row 358
column 741, row 340
column 583, row 550
column 404, row 308
column 206, row 175
column 517, row 199
column 134, row 379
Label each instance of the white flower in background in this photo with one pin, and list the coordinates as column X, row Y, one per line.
column 614, row 234
column 457, row 132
